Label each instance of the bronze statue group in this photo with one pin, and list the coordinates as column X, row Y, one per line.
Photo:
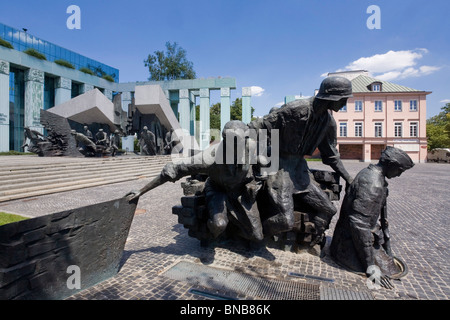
column 260, row 206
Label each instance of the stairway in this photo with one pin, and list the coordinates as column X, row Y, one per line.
column 29, row 176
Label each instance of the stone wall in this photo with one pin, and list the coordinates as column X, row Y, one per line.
column 35, row 254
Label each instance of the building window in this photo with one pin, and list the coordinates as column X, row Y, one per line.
column 16, row 108
column 376, row 87
column 358, row 106
column 378, row 129
column 343, row 109
column 343, row 129
column 413, row 105
column 378, row 106
column 76, row 89
column 49, row 92
column 358, row 129
column 413, row 129
column 397, row 105
column 397, row 129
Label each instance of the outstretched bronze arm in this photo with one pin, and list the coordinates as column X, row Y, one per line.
column 156, row 182
column 172, row 172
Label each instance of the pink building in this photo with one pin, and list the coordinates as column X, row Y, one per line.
column 381, row 114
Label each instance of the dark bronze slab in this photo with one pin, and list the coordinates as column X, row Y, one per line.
column 35, row 254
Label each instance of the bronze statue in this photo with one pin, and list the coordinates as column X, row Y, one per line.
column 148, row 142
column 114, row 142
column 230, row 187
column 360, row 242
column 86, row 146
column 304, row 125
column 88, row 133
column 101, row 138
column 34, row 139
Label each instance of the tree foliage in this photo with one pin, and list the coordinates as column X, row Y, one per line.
column 214, row 113
column 438, row 129
column 169, row 65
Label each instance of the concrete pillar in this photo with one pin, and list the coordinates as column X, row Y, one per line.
column 126, row 100
column 4, row 106
column 184, row 110
column 193, row 114
column 86, row 88
column 174, row 99
column 246, row 107
column 225, row 106
column 204, row 118
column 34, row 99
column 367, row 152
column 63, row 90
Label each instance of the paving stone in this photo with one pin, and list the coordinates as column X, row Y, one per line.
column 418, row 207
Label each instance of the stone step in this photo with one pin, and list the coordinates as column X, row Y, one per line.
column 49, row 173
column 10, row 188
column 15, row 170
column 67, row 188
column 23, row 180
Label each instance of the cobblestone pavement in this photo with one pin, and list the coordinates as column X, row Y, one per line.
column 418, row 206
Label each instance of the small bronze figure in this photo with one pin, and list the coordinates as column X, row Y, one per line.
column 359, row 242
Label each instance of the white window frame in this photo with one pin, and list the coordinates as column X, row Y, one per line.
column 415, row 104
column 358, row 106
column 398, row 129
column 359, row 129
column 343, row 129
column 380, row 103
column 398, row 105
column 376, row 87
column 378, row 125
column 414, row 126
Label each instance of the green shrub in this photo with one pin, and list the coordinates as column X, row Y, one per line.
column 64, row 63
column 6, row 44
column 35, row 53
column 108, row 77
column 87, row 70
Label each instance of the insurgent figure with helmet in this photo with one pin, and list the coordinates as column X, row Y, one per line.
column 303, row 126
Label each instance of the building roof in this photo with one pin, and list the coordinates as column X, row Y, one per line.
column 361, row 84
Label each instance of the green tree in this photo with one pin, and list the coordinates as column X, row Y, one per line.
column 236, row 110
column 438, row 129
column 169, row 65
column 214, row 115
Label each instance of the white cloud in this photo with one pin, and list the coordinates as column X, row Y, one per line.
column 25, row 37
column 279, row 104
column 257, row 91
column 445, row 101
column 393, row 65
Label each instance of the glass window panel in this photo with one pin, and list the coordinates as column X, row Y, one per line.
column 8, row 34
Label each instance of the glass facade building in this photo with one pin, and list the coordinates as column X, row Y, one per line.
column 16, row 108
column 22, row 41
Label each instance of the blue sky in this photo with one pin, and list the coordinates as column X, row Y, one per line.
column 278, row 47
